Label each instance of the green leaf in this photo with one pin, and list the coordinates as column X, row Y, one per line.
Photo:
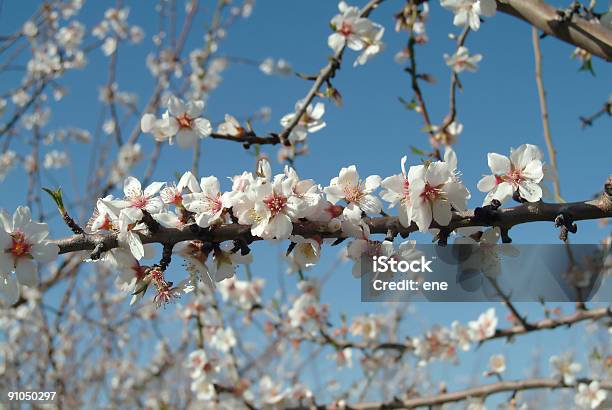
column 587, row 66
column 417, row 151
column 409, row 105
column 57, row 198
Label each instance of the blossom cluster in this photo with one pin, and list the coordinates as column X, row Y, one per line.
column 426, row 195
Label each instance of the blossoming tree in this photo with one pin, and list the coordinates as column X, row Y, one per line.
column 146, row 293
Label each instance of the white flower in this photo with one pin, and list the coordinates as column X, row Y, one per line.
column 564, row 367
column 523, row 171
column 368, row 327
column 468, row 12
column 364, row 250
column 590, row 396
column 161, row 128
column 270, row 208
column 310, row 121
column 461, row 335
column 497, row 364
column 373, row 44
column 207, row 203
column 305, row 253
column 475, row 404
column 307, row 191
column 461, row 60
column 23, row 243
column 272, row 67
column 358, row 194
column 224, row 261
column 55, row 159
column 223, row 339
column 200, row 365
column 204, row 389
column 486, row 253
column 349, row 29
column 188, row 120
column 174, row 194
column 434, row 190
column 109, row 46
column 105, row 217
column 240, row 186
column 231, row 126
column 7, row 161
column 182, row 120
column 29, row 29
column 485, row 326
column 306, row 310
column 395, row 190
column 136, row 200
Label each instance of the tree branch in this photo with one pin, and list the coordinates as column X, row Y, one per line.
column 473, row 392
column 588, row 35
column 504, row 218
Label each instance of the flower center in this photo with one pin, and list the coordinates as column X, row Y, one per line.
column 346, row 29
column 275, row 203
column 352, row 193
column 306, row 119
column 431, row 193
column 19, row 246
column 515, row 176
column 139, row 202
column 184, row 121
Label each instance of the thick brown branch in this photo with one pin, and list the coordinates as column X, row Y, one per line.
column 474, row 392
column 588, row 35
column 504, row 218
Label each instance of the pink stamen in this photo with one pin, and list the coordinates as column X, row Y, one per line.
column 275, row 203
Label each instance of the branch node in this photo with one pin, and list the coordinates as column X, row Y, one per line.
column 152, row 225
column 566, row 222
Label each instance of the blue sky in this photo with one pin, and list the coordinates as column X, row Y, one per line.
column 498, row 107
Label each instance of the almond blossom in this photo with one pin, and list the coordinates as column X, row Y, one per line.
column 590, row 396
column 173, row 194
column 461, row 60
column 349, row 29
column 362, row 250
column 565, row 368
column 468, row 12
column 395, row 191
column 270, row 208
column 485, row 326
column 497, row 364
column 521, row 173
column 23, row 243
column 182, row 120
column 223, row 261
column 306, row 311
column 231, row 126
column 206, row 202
column 434, row 192
column 305, row 253
column 310, row 121
column 136, row 200
column 223, row 339
column 355, row 192
column 373, row 44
